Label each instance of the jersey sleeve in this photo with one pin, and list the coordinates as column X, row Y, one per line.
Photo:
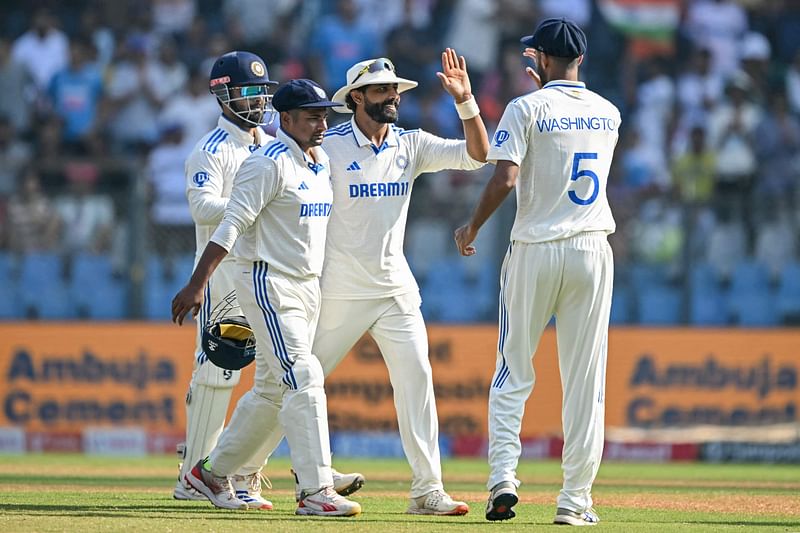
column 204, row 184
column 435, row 154
column 256, row 184
column 510, row 141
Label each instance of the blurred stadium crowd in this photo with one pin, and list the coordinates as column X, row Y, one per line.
column 102, row 101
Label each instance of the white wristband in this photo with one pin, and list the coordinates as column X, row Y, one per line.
column 469, row 109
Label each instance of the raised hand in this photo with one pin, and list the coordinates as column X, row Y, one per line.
column 530, row 53
column 454, row 77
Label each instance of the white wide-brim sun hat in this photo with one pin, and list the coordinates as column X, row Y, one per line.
column 370, row 72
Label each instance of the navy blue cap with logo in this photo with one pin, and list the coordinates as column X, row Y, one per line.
column 558, row 37
column 239, row 68
column 300, row 94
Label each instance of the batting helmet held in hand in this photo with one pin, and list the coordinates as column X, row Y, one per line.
column 227, row 339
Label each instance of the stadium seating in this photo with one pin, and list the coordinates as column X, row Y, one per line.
column 788, row 294
column 659, row 305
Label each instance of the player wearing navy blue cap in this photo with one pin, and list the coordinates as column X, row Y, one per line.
column 240, row 82
column 275, row 225
column 559, row 142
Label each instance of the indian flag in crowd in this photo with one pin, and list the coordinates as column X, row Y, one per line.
column 656, row 20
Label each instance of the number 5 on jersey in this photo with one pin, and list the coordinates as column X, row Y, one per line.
column 585, row 173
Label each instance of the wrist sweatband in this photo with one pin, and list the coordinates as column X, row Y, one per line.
column 469, row 109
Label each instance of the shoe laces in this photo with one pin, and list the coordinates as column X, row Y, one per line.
column 435, row 497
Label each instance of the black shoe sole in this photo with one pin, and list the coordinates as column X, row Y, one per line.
column 502, row 507
column 351, row 488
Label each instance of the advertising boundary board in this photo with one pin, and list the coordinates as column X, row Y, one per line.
column 64, row 378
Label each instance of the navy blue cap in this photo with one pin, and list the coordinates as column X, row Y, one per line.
column 297, row 94
column 557, row 37
column 239, row 68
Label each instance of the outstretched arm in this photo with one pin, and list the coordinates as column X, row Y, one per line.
column 455, row 81
column 503, row 180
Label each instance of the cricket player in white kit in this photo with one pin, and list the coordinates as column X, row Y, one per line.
column 240, row 82
column 367, row 285
column 275, row 223
column 555, row 146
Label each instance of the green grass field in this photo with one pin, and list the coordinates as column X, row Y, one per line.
column 48, row 493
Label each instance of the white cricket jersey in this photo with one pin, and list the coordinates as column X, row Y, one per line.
column 371, row 189
column 210, row 169
column 279, row 208
column 563, row 138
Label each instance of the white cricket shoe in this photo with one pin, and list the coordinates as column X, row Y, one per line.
column 182, row 492
column 326, row 502
column 574, row 518
column 501, row 500
column 344, row 484
column 437, row 502
column 217, row 489
column 248, row 489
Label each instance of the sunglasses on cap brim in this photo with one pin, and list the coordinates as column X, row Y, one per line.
column 376, row 66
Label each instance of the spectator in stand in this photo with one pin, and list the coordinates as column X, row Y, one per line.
column 731, row 133
column 475, row 32
column 95, row 31
column 793, row 84
column 43, row 49
column 86, row 216
column 693, row 171
column 338, row 42
column 172, row 221
column 655, row 102
column 777, row 144
column 131, row 93
column 644, row 166
column 755, row 52
column 75, row 94
column 193, row 108
column 173, row 17
column 719, row 26
column 506, row 80
column 32, row 222
column 699, row 88
column 693, row 177
column 15, row 85
column 15, row 155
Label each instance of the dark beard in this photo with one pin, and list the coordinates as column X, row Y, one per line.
column 378, row 112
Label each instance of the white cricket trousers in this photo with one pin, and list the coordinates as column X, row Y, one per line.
column 397, row 326
column 571, row 279
column 288, row 384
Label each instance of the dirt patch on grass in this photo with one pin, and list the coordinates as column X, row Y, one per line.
column 778, row 505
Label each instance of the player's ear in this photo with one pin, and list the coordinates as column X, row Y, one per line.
column 580, row 60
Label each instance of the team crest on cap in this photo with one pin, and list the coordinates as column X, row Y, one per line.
column 320, row 93
column 257, row 68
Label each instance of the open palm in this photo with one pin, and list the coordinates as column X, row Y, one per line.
column 453, row 76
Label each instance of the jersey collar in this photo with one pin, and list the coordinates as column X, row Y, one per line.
column 300, row 156
column 565, row 83
column 362, row 140
column 237, row 133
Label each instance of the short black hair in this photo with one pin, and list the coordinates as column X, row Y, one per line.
column 348, row 100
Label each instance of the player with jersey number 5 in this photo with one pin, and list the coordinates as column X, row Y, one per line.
column 275, row 223
column 367, row 285
column 555, row 146
column 240, row 83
